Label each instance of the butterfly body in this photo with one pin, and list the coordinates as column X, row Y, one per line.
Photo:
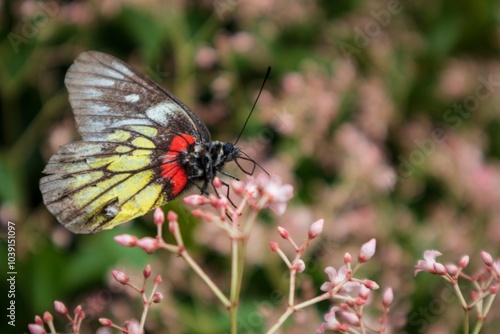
column 140, row 148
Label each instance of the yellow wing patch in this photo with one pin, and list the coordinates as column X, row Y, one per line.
column 98, row 185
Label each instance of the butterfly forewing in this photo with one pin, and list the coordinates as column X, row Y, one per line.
column 130, row 128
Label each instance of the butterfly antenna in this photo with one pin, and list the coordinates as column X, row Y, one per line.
column 254, row 104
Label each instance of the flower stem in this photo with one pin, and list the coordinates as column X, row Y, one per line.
column 289, row 311
column 197, row 269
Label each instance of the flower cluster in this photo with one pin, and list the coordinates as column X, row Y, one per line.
column 133, row 326
column 235, row 218
column 129, row 327
column 75, row 321
column 484, row 282
column 352, row 293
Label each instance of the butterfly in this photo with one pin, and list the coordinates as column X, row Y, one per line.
column 141, row 147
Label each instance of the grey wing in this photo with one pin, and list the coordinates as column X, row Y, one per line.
column 107, row 94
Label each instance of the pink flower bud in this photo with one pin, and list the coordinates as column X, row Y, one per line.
column 120, row 277
column 351, row 318
column 464, row 261
column 493, row 289
column 387, row 297
column 79, row 312
column 147, row 271
column 126, row 240
column 157, row 297
column 439, row 268
column 451, row 269
column 283, row 232
column 238, row 187
column 347, row 258
column 172, row 216
column 221, row 203
column 47, row 317
column 372, row 285
column 105, row 322
column 148, row 244
column 206, row 216
column 38, row 320
column 133, row 327
column 217, row 182
column 474, row 295
column 60, row 308
column 36, row 329
column 158, row 279
column 196, row 200
column 159, row 216
column 344, row 328
column 367, row 251
column 315, row 229
column 364, row 292
column 274, row 246
column 360, row 301
column 299, row 265
column 487, row 258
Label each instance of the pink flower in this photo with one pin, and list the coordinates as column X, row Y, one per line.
column 105, row 322
column 334, row 277
column 47, row 317
column 367, row 251
column 36, row 329
column 464, row 261
column 157, row 297
column 126, row 240
column 60, row 308
column 300, row 266
column 283, row 232
column 196, row 200
column 496, row 267
column 272, row 189
column 387, row 297
column 427, row 264
column 274, row 246
column 350, row 317
column 332, row 323
column 148, row 244
column 147, row 271
column 134, row 327
column 487, row 258
column 159, row 216
column 120, row 277
column 316, row 229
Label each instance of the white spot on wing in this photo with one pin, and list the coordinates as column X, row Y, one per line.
column 122, row 68
column 98, row 108
column 93, row 81
column 161, row 112
column 133, row 121
column 132, row 98
column 92, row 93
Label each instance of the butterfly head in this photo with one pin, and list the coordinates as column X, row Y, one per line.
column 222, row 153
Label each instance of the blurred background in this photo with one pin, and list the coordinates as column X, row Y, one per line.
column 384, row 115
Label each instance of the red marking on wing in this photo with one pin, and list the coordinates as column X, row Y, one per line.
column 171, row 169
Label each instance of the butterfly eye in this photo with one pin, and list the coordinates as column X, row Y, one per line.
column 228, row 148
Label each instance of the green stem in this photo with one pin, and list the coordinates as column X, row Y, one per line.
column 238, row 262
column 197, row 269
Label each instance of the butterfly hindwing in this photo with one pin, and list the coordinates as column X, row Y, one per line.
column 126, row 165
